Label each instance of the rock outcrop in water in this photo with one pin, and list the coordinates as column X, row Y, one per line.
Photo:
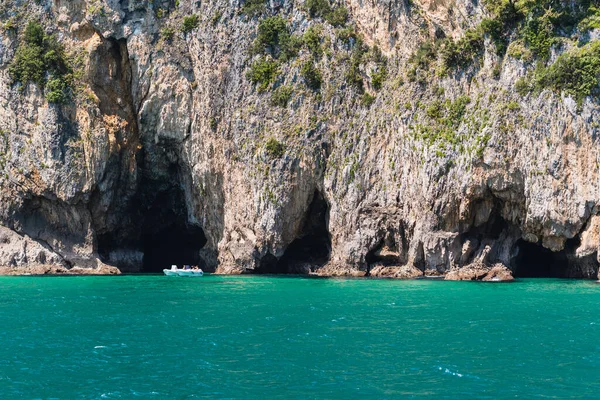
column 400, row 139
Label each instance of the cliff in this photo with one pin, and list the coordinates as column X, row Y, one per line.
column 392, row 138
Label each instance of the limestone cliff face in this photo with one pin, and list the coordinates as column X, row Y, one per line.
column 164, row 152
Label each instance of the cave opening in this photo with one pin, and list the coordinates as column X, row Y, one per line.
column 372, row 256
column 172, row 245
column 535, row 261
column 156, row 230
column 166, row 235
column 495, row 226
column 268, row 265
column 310, row 250
column 162, row 235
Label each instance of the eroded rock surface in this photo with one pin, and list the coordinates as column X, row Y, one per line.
column 164, row 153
column 480, row 272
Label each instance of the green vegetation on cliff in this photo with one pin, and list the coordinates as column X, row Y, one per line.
column 275, row 39
column 41, row 59
column 312, row 39
column 263, row 72
column 274, row 148
column 190, row 23
column 311, row 75
column 592, row 19
column 379, row 73
column 461, row 53
column 277, row 45
column 323, row 9
column 444, row 119
column 354, row 75
column 253, row 7
column 576, row 73
column 281, row 96
column 538, row 23
column 528, row 30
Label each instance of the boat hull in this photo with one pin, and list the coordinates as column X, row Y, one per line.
column 182, row 272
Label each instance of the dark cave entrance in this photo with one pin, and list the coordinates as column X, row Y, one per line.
column 535, row 261
column 162, row 234
column 268, row 265
column 156, row 231
column 310, row 250
column 166, row 236
column 176, row 244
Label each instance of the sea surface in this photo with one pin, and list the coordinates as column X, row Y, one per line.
column 264, row 337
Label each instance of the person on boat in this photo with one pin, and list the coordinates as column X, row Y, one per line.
column 195, row 268
column 186, row 267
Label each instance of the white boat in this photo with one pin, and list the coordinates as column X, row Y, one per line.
column 174, row 271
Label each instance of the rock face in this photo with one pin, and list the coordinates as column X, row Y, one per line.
column 167, row 153
column 480, row 272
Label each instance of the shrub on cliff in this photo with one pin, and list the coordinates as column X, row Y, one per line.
column 462, row 53
column 347, row 34
column 271, row 30
column 56, row 90
column 39, row 59
column 28, row 65
column 317, row 8
column 274, row 37
column 422, row 61
column 576, row 73
column 253, row 7
column 34, row 33
column 338, row 17
column 312, row 38
column 274, row 148
column 378, row 75
column 505, row 15
column 591, row 21
column 272, row 34
column 496, row 31
column 167, row 33
column 281, row 96
column 190, row 23
column 367, row 100
column 539, row 35
column 322, row 9
column 523, row 86
column 263, row 72
column 311, row 75
column 354, row 76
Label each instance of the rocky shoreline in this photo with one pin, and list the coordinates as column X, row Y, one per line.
column 44, row 269
column 497, row 273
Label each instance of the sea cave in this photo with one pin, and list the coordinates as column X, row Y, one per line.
column 310, row 249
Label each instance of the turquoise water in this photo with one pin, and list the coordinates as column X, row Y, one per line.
column 269, row 337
